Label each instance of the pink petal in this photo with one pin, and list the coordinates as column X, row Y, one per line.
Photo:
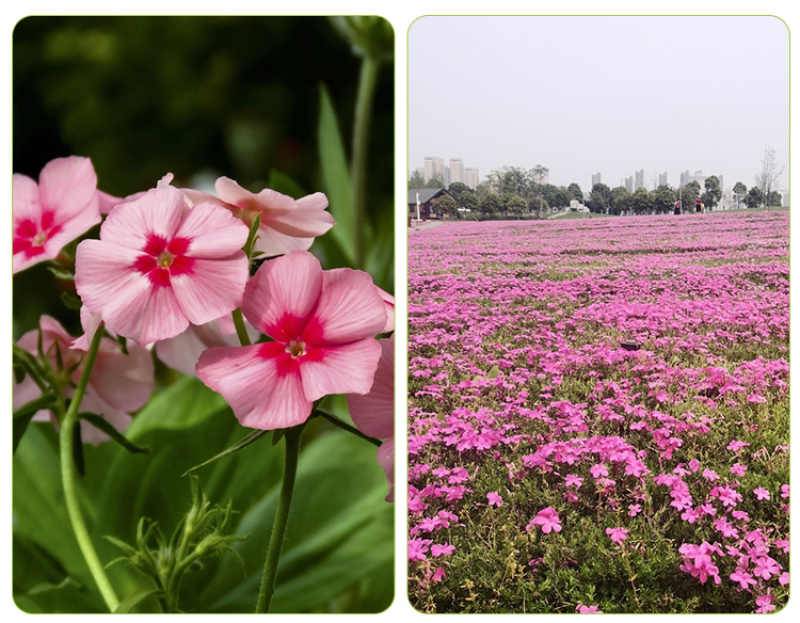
column 386, row 460
column 344, row 369
column 25, row 198
column 282, row 294
column 309, row 220
column 388, row 301
column 73, row 228
column 271, row 243
column 158, row 212
column 373, row 413
column 94, row 404
column 212, row 288
column 259, row 394
column 349, row 309
column 67, row 186
column 268, row 201
column 122, row 381
column 107, row 202
column 214, row 232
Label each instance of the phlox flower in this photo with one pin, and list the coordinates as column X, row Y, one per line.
column 373, row 413
column 418, row 548
column 494, row 499
column 744, row 579
column 764, row 603
column 323, row 325
column 50, row 214
column 599, row 471
column 119, row 383
column 766, row 567
column 784, row 491
column 588, row 609
column 737, row 469
column 710, row 474
column 159, row 266
column 761, row 493
column 783, row 580
column 634, row 509
column 442, row 550
column 548, row 520
column 285, row 225
column 735, row 445
column 438, row 575
column 618, row 534
column 573, row 481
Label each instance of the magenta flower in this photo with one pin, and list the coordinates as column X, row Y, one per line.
column 618, row 534
column 764, row 603
column 51, row 214
column 159, row 266
column 548, row 520
column 634, row 509
column 573, row 481
column 744, row 579
column 784, row 491
column 588, row 609
column 119, row 385
column 442, row 550
column 323, row 325
column 737, row 469
column 494, row 499
column 438, row 575
column 286, row 224
column 761, row 493
column 373, row 413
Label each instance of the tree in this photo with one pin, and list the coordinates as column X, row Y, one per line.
column 642, row 201
column 516, row 206
column 575, row 191
column 713, row 192
column 490, row 206
column 446, row 205
column 469, row 200
column 689, row 195
column 620, row 198
column 562, row 198
column 739, row 191
column 600, row 198
column 456, row 188
column 767, row 180
column 416, row 181
column 753, row 198
column 775, row 199
column 434, row 182
column 663, row 199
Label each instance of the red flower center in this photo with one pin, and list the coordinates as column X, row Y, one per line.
column 29, row 236
column 160, row 260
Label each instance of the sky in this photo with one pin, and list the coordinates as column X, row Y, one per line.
column 607, row 94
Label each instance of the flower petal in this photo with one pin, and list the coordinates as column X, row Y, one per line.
column 67, row 186
column 373, row 413
column 122, row 381
column 211, row 288
column 268, row 201
column 386, row 460
column 346, row 369
column 213, row 231
column 157, row 212
column 309, row 220
column 25, row 198
column 261, row 395
column 281, row 296
column 349, row 309
column 272, row 243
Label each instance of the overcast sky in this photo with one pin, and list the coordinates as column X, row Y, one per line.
column 581, row 95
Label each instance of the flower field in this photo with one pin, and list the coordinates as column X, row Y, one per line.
column 599, row 415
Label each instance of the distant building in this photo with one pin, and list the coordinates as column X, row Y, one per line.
column 434, row 168
column 785, row 202
column 596, row 179
column 662, row 179
column 456, row 171
column 638, row 179
column 629, row 184
column 421, row 203
column 471, row 177
column 684, row 178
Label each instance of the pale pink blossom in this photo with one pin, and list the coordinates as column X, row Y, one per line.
column 494, row 499
column 285, row 225
column 160, row 266
column 548, row 520
column 618, row 534
column 438, row 575
column 442, row 550
column 761, row 493
column 50, row 214
column 764, row 603
column 373, row 413
column 119, row 384
column 323, row 325
column 588, row 609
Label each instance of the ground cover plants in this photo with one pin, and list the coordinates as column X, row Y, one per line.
column 599, row 415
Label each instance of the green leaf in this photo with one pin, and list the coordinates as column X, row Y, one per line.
column 71, row 301
column 336, row 176
column 184, row 404
column 493, row 373
column 19, row 373
column 104, row 425
column 77, row 449
column 251, row 237
column 127, row 604
column 61, row 273
column 24, row 415
column 242, row 443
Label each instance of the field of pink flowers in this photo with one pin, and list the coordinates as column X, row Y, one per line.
column 599, row 415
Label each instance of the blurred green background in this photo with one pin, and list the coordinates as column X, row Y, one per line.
column 269, row 102
column 199, row 97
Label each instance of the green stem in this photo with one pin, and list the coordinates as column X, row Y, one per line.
column 345, row 426
column 292, row 437
column 238, row 321
column 68, row 475
column 363, row 117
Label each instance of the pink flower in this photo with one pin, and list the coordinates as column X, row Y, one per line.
column 764, row 603
column 634, row 509
column 51, row 214
column 598, row 471
column 159, row 266
column 494, row 499
column 548, row 519
column 388, row 301
column 783, row 580
column 286, row 224
column 618, row 534
column 323, row 325
column 442, row 550
column 784, row 491
column 588, row 609
column 373, row 413
column 119, row 383
column 573, row 481
column 438, row 575
column 737, row 469
column 744, row 579
column 761, row 493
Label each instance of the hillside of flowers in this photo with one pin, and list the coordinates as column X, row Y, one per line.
column 599, row 415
